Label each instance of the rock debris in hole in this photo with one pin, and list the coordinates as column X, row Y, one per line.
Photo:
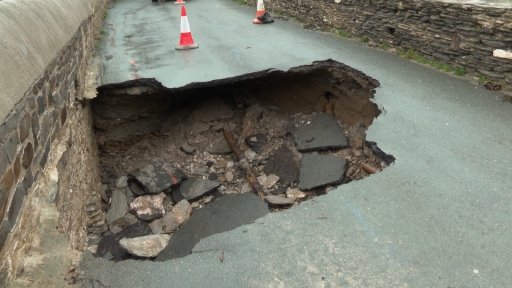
column 166, row 175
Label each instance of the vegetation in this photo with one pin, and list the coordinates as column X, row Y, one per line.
column 340, row 33
column 481, row 79
column 460, row 72
column 364, row 39
column 412, row 55
column 384, row 46
column 102, row 31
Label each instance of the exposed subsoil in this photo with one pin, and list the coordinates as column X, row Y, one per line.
column 140, row 124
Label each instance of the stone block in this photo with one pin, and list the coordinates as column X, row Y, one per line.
column 5, row 228
column 40, row 103
column 37, row 157
column 16, row 167
column 35, row 127
column 46, row 127
column 4, row 162
column 31, row 103
column 11, row 146
column 28, row 155
column 44, row 157
column 16, row 204
column 57, row 98
column 28, row 180
column 63, row 115
column 5, row 186
column 24, row 127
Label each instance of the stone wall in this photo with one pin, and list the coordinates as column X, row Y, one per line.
column 462, row 36
column 47, row 148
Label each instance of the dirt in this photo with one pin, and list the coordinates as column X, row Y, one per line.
column 140, row 122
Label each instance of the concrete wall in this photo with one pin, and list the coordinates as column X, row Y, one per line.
column 47, row 149
column 459, row 35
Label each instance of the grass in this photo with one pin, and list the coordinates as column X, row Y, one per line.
column 240, row 2
column 384, row 46
column 278, row 13
column 340, row 33
column 105, row 15
column 460, row 72
column 102, row 31
column 481, row 79
column 412, row 55
column 364, row 39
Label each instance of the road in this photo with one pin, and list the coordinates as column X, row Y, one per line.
column 439, row 217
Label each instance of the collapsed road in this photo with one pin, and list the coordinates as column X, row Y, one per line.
column 436, row 217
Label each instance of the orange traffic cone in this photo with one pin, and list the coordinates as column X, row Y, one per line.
column 179, row 2
column 186, row 41
column 260, row 10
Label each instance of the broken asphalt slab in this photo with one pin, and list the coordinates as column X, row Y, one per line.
column 320, row 133
column 155, row 177
column 224, row 214
column 320, row 170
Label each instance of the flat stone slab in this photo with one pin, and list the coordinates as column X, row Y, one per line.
column 110, row 244
column 321, row 170
column 119, row 206
column 278, row 200
column 224, row 214
column 194, row 187
column 283, row 164
column 321, row 133
column 156, row 177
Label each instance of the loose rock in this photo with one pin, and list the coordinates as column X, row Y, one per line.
column 148, row 207
column 146, row 246
column 110, row 244
column 257, row 142
column 157, row 177
column 229, row 176
column 118, row 207
column 278, row 200
column 295, row 193
column 194, row 188
column 219, row 148
column 268, row 181
column 174, row 219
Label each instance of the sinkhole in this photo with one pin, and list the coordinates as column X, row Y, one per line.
column 185, row 163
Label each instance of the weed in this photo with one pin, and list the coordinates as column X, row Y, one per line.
column 102, row 31
column 446, row 68
column 460, row 72
column 105, row 14
column 278, row 13
column 481, row 79
column 364, row 39
column 240, row 2
column 339, row 33
column 384, row 46
column 409, row 54
column 400, row 52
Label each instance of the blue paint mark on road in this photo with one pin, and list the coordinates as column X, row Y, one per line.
column 360, row 218
column 236, row 51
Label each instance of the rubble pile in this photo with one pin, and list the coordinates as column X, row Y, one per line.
column 151, row 189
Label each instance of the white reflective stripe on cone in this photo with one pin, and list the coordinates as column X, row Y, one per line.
column 260, row 6
column 184, row 25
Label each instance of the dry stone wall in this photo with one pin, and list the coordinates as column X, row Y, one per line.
column 47, row 151
column 459, row 35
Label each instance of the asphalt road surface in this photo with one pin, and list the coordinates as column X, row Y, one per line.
column 441, row 216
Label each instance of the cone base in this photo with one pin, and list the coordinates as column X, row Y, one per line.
column 180, row 2
column 257, row 21
column 185, row 47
